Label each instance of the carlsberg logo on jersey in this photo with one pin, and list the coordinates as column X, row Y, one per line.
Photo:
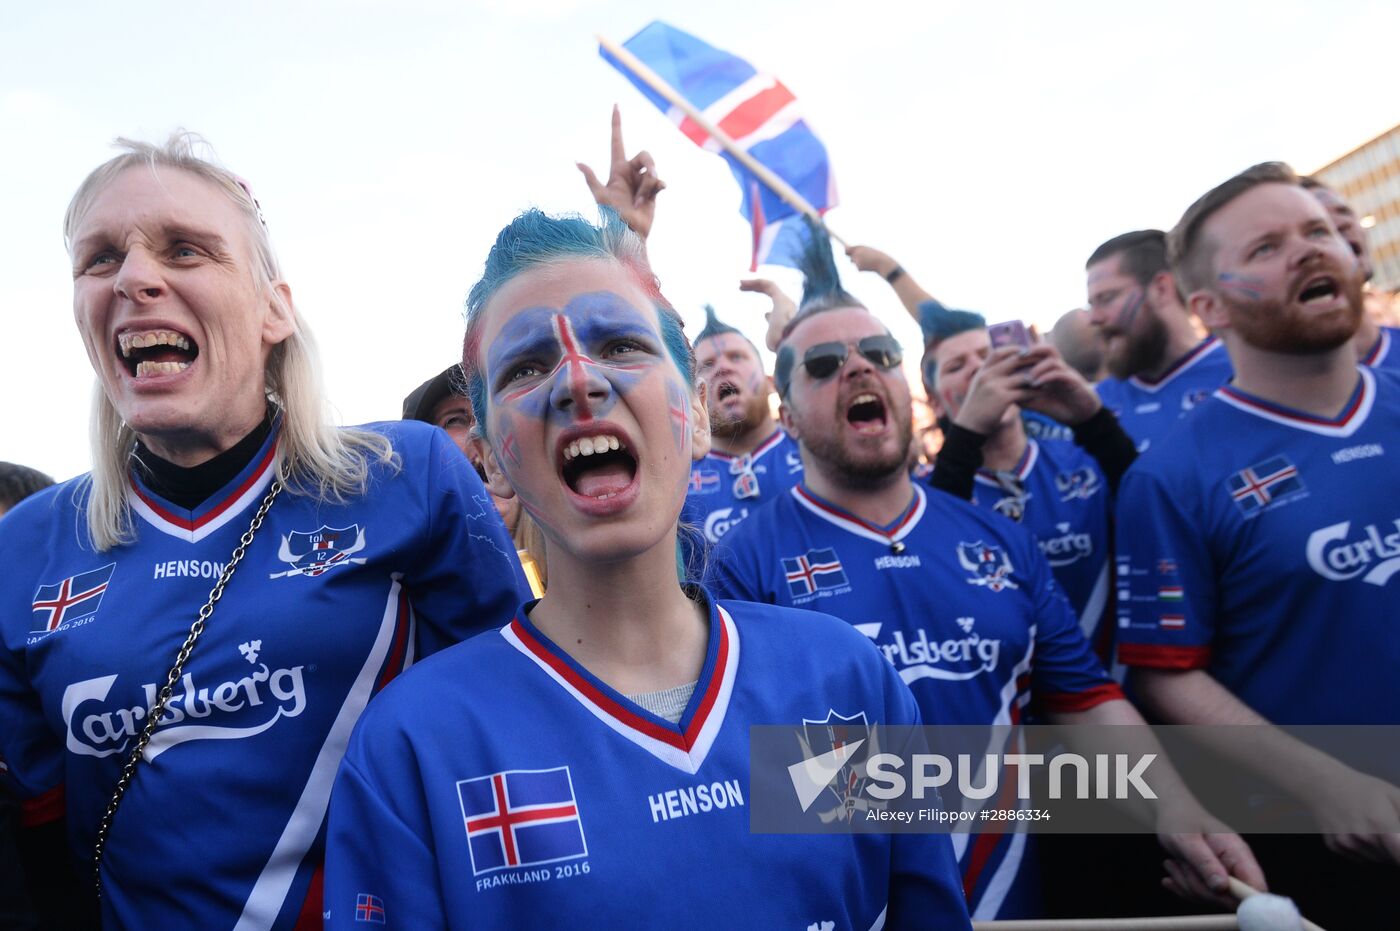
column 722, row 521
column 1334, row 554
column 1069, row 547
column 955, row 659
column 195, row 711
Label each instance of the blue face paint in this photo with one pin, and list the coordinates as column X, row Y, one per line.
column 679, row 407
column 508, row 457
column 1244, row 285
column 572, row 364
column 1131, row 305
column 928, row 368
column 782, row 368
column 674, row 338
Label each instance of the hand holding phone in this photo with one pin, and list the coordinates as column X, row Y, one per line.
column 1010, row 333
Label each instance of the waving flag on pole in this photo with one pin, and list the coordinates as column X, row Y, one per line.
column 753, row 110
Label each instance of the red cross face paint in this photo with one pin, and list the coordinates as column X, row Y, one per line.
column 590, row 420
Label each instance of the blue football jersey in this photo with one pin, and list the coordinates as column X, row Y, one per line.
column 725, row 489
column 1058, row 493
column 1260, row 545
column 962, row 604
column 222, row 825
column 499, row 784
column 1384, row 354
column 1149, row 409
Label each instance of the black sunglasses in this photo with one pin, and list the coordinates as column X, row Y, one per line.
column 826, row 359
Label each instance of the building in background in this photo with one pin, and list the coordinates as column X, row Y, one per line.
column 1368, row 178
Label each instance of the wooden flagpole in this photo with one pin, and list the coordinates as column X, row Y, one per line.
column 760, row 171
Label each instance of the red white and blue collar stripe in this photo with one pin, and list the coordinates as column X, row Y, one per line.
column 763, row 448
column 1204, row 348
column 1380, row 349
column 1353, row 414
column 223, row 506
column 889, row 535
column 682, row 745
column 1022, row 470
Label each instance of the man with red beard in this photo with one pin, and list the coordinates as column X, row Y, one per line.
column 1159, row 365
column 1257, row 551
column 751, row 458
column 1376, row 345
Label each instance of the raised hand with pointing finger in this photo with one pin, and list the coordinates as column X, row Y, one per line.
column 632, row 183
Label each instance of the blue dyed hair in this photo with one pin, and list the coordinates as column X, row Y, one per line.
column 821, row 291
column 535, row 239
column 714, row 326
column 938, row 323
column 821, row 283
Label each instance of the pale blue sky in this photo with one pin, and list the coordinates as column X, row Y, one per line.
column 989, row 147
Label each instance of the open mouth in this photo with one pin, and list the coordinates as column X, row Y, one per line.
column 725, row 390
column 1321, row 288
column 599, row 466
column 149, row 353
column 866, row 413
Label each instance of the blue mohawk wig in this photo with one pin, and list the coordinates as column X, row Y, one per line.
column 821, row 284
column 821, row 291
column 714, row 326
column 938, row 323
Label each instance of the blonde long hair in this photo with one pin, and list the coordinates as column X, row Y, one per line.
column 315, row 458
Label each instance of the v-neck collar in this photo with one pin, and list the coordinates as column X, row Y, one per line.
column 888, row 535
column 1379, row 349
column 221, row 507
column 1021, row 470
column 683, row 745
column 1198, row 352
column 1353, row 415
column 759, row 451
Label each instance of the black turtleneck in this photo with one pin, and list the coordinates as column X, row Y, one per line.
column 189, row 488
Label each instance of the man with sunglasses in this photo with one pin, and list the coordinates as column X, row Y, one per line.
column 751, row 459
column 960, row 601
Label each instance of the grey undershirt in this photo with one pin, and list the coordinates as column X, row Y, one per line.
column 667, row 704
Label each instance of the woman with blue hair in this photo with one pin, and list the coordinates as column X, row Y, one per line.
column 587, row 764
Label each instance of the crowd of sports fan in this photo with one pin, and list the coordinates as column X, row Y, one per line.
column 1177, row 508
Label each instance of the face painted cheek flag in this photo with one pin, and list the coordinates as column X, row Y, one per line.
column 759, row 113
